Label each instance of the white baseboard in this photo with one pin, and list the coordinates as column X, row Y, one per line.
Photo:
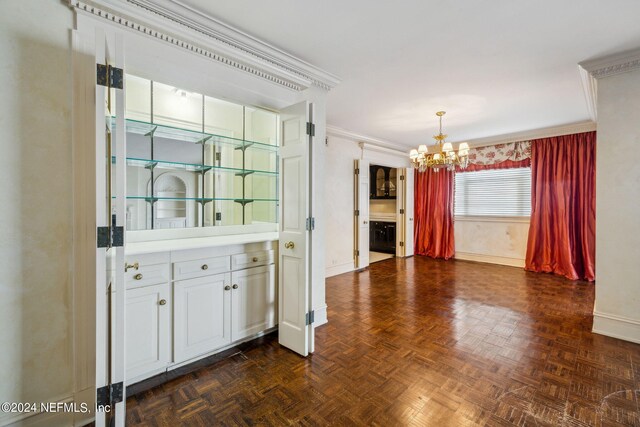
column 320, row 316
column 490, row 259
column 334, row 270
column 620, row 327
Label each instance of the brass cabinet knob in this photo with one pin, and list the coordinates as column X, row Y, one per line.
column 138, row 276
column 227, row 288
column 135, row 266
column 235, row 286
column 255, row 259
column 289, row 245
column 162, row 302
column 204, row 266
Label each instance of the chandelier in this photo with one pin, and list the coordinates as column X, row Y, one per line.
column 443, row 155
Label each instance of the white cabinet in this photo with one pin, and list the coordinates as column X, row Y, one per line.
column 202, row 315
column 253, row 301
column 148, row 326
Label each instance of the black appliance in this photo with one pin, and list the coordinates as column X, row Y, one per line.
column 382, row 237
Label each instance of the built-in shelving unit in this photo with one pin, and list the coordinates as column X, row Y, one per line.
column 190, row 176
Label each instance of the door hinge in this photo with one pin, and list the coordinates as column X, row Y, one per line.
column 401, row 244
column 310, row 317
column 110, row 394
column 109, row 76
column 103, row 236
column 401, row 211
column 356, row 252
column 218, row 156
column 357, row 171
column 311, row 223
column 357, row 212
column 401, row 177
column 311, row 129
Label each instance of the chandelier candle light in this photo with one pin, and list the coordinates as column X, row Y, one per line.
column 444, row 156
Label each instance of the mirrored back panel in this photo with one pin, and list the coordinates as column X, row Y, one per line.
column 197, row 161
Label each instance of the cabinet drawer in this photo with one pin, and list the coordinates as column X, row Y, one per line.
column 251, row 259
column 147, row 275
column 200, row 267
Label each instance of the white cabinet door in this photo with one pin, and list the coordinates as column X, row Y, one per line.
column 202, row 316
column 148, row 331
column 253, row 301
column 294, row 289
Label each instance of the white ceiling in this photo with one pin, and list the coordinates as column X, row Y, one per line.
column 495, row 66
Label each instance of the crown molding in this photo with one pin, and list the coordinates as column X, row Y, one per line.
column 528, row 135
column 172, row 22
column 606, row 66
column 612, row 65
column 370, row 141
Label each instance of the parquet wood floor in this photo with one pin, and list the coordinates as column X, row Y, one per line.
column 422, row 342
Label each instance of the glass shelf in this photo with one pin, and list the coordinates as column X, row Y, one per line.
column 199, row 199
column 196, row 137
column 192, row 167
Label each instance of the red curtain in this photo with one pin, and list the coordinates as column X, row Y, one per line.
column 433, row 227
column 563, row 214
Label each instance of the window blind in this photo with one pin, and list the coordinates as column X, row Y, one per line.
column 495, row 192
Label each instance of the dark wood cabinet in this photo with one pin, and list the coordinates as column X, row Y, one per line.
column 382, row 182
column 382, row 237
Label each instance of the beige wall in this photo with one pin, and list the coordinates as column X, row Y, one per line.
column 36, row 354
column 617, row 307
column 339, row 205
column 493, row 240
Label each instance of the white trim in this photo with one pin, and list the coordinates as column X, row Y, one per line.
column 490, row 259
column 320, row 316
column 334, row 270
column 174, row 23
column 381, row 143
column 615, row 326
column 611, row 65
column 590, row 87
column 567, row 129
column 502, row 219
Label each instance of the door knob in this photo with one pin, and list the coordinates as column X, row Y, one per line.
column 162, row 302
column 204, row 266
column 364, row 222
column 227, row 288
column 289, row 245
column 255, row 259
column 138, row 276
column 235, row 286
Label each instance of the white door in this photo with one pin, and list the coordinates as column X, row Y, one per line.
column 202, row 315
column 148, row 331
column 362, row 213
column 252, row 301
column 110, row 220
column 408, row 212
column 294, row 290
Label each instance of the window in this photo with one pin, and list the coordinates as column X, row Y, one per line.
column 495, row 192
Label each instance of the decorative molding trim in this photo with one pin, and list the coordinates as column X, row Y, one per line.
column 193, row 31
column 611, row 65
column 334, row 270
column 490, row 259
column 356, row 137
column 320, row 316
column 590, row 87
column 567, row 129
column 620, row 327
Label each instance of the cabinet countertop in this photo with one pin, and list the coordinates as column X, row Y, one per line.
column 197, row 242
column 382, row 218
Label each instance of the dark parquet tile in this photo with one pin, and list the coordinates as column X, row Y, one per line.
column 422, row 342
